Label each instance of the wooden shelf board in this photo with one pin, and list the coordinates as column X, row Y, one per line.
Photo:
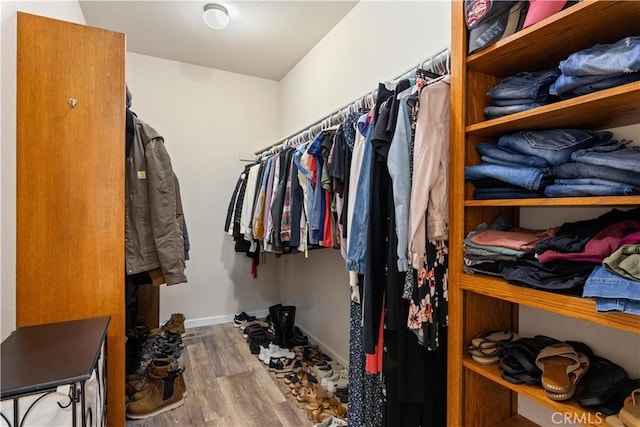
column 535, row 393
column 516, row 421
column 570, row 30
column 571, row 306
column 613, row 107
column 560, row 201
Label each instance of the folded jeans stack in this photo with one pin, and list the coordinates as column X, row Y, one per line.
column 599, row 67
column 521, row 92
column 519, row 165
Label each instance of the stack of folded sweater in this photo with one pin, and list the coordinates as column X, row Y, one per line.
column 599, row 67
column 555, row 163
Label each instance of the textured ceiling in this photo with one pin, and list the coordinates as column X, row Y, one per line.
column 264, row 38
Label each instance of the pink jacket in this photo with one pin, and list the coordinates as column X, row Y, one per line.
column 430, row 184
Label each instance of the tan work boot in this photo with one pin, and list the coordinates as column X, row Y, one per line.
column 174, row 325
column 168, row 393
column 157, row 370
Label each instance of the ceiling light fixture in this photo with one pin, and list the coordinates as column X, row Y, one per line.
column 215, row 16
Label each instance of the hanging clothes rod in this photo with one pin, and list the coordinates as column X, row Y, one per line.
column 439, row 63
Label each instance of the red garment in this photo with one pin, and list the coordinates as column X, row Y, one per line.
column 603, row 244
column 327, row 237
column 373, row 363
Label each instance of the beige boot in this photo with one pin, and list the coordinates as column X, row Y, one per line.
column 168, row 393
column 174, row 325
column 158, row 370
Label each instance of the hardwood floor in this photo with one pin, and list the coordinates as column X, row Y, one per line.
column 227, row 386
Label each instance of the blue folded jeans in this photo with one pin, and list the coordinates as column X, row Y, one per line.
column 515, row 101
column 585, row 170
column 603, row 283
column 578, row 190
column 620, row 57
column 529, row 178
column 491, row 151
column 526, row 85
column 493, row 111
column 626, row 158
column 553, row 145
column 504, row 193
column 602, row 84
column 589, row 181
column 566, row 83
column 618, row 304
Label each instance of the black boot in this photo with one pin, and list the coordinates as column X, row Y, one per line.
column 274, row 321
column 287, row 323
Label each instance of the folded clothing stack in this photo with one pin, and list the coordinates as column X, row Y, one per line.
column 524, row 91
column 563, row 259
column 599, row 67
column 555, row 163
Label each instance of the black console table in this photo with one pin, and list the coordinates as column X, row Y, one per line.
column 55, row 374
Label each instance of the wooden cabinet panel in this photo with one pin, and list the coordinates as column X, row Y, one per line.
column 70, row 181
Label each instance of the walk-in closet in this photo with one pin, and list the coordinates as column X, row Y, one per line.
column 320, row 213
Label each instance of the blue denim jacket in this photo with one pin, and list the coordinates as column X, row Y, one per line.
column 357, row 250
column 397, row 161
column 620, row 57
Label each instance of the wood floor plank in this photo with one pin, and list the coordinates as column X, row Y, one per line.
column 227, row 386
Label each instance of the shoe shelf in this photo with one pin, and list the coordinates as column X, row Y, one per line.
column 570, row 306
column 516, row 421
column 613, row 107
column 549, row 41
column 560, row 201
column 535, row 393
column 478, row 394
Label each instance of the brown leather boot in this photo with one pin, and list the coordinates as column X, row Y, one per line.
column 157, row 370
column 174, row 325
column 168, row 393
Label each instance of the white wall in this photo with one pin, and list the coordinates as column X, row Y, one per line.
column 376, row 41
column 64, row 10
column 207, row 118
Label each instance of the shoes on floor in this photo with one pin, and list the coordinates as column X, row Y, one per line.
column 240, row 319
column 168, row 393
column 174, row 325
column 332, row 421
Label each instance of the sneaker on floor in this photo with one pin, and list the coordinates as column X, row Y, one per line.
column 240, row 319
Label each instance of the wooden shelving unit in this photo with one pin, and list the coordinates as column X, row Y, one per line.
column 478, row 396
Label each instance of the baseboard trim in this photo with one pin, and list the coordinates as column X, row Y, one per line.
column 216, row 320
